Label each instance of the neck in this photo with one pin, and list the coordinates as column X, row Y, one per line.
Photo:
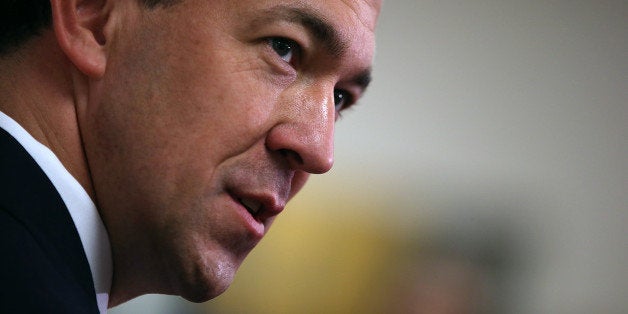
column 38, row 91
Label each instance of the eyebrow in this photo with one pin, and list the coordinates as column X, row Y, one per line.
column 319, row 28
column 363, row 79
column 316, row 25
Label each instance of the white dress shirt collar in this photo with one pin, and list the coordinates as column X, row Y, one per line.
column 90, row 227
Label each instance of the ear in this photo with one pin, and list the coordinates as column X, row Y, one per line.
column 79, row 29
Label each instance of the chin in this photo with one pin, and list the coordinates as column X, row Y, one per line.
column 208, row 281
column 200, row 296
column 202, row 292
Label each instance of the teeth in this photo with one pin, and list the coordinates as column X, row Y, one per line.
column 252, row 206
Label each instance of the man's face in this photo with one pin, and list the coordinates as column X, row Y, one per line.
column 210, row 116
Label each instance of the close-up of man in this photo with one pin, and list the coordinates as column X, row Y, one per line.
column 147, row 146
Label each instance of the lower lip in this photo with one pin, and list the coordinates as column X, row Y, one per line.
column 254, row 227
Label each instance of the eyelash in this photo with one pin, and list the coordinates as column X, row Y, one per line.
column 278, row 43
column 347, row 101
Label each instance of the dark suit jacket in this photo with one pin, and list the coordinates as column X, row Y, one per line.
column 43, row 268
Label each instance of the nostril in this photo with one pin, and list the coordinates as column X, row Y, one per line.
column 291, row 155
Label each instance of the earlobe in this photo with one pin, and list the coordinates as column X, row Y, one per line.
column 79, row 29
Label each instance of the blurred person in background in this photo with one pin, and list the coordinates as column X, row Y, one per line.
column 147, row 146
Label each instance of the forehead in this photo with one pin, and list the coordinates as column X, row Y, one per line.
column 347, row 17
column 338, row 12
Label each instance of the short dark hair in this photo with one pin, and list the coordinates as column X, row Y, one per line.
column 23, row 19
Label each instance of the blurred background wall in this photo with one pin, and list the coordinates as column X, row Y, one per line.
column 485, row 171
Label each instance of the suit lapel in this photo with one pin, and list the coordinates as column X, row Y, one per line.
column 27, row 194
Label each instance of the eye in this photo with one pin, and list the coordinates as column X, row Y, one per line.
column 342, row 99
column 287, row 49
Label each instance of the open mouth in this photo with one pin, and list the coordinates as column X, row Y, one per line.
column 252, row 206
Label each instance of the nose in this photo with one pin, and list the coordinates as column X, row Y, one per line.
column 305, row 134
